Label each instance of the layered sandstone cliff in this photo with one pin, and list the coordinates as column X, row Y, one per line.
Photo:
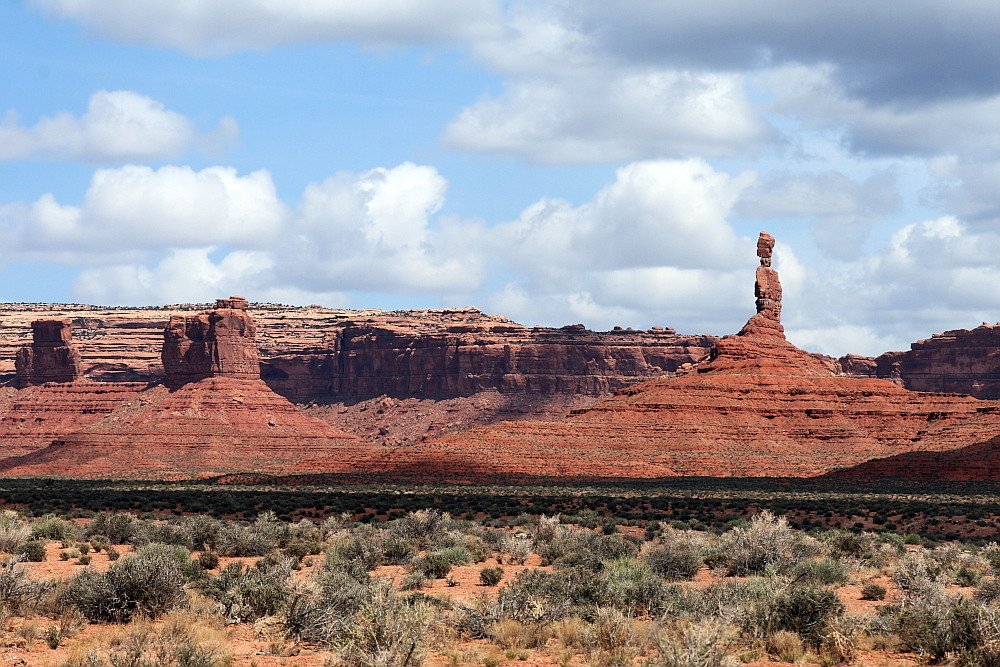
column 964, row 361
column 323, row 355
column 406, row 356
column 757, row 406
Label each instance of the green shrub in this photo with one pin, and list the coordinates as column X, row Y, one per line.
column 490, row 576
column 363, row 549
column 119, row 528
column 805, row 610
column 148, row 583
column 766, row 544
column 246, row 594
column 100, row 542
column 204, row 531
column 872, row 591
column 397, row 551
column 51, row 527
column 456, row 555
column 34, row 551
column 434, row 565
column 674, row 559
column 935, row 624
column 630, row 585
column 821, row 571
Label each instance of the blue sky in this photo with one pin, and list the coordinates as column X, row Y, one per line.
column 553, row 161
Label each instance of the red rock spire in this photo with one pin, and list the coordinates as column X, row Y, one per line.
column 767, row 288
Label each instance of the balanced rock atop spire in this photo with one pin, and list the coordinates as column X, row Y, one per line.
column 50, row 357
column 214, row 343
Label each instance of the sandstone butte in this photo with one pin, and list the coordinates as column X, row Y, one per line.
column 757, row 406
column 209, row 416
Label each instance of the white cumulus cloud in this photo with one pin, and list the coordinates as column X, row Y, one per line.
column 136, row 208
column 119, row 125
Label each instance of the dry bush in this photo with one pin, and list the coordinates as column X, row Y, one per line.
column 702, row 643
column 766, row 545
column 13, row 535
column 388, row 631
column 19, row 593
column 676, row 558
column 511, row 634
column 571, row 632
column 786, row 645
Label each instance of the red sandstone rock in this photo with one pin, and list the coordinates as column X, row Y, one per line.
column 33, row 417
column 207, row 427
column 757, row 406
column 979, row 462
column 215, row 343
column 403, row 356
column 965, row 361
column 50, row 357
column 226, row 422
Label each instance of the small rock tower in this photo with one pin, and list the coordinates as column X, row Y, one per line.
column 50, row 357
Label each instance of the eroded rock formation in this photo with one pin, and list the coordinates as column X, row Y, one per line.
column 215, row 343
column 757, row 406
column 462, row 354
column 50, row 357
column 212, row 417
column 964, row 361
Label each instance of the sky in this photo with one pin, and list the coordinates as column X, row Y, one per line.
column 553, row 161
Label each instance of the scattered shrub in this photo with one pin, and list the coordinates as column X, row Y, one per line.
column 209, row 560
column 33, row 551
column 805, row 610
column 820, row 571
column 148, row 583
column 766, row 544
column 51, row 527
column 246, row 594
column 387, row 631
column 434, row 565
column 674, row 559
column 490, row 576
column 872, row 591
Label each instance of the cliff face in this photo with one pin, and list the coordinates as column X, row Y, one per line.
column 963, row 361
column 405, row 357
column 316, row 354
